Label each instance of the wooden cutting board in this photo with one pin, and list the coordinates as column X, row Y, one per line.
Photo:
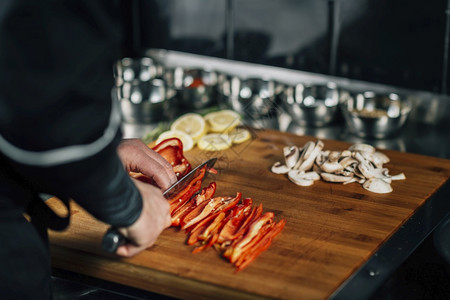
column 331, row 229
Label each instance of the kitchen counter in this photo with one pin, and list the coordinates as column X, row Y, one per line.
column 426, row 133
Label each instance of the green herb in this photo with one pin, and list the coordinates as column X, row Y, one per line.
column 155, row 132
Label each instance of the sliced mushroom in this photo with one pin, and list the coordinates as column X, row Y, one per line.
column 377, row 185
column 312, row 175
column 334, row 156
column 346, row 172
column 367, row 155
column 309, row 161
column 364, row 166
column 291, row 155
column 322, row 157
column 307, row 150
column 302, row 178
column 362, row 148
column 347, row 161
column 382, row 173
column 345, row 153
column 354, row 179
column 331, row 167
column 335, row 178
column 400, row 176
column 358, row 173
column 379, row 159
column 279, row 168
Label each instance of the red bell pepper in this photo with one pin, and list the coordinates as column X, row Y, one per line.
column 234, row 221
column 252, row 216
column 260, row 246
column 185, row 195
column 233, row 251
column 206, row 194
column 208, row 209
column 172, row 150
column 209, row 234
column 206, row 234
column 181, row 199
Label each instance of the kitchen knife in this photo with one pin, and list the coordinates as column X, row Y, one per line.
column 113, row 238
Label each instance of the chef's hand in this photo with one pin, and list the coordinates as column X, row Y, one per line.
column 137, row 157
column 154, row 218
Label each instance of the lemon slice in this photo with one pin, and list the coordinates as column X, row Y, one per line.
column 214, row 142
column 222, row 121
column 193, row 124
column 186, row 139
column 239, row 135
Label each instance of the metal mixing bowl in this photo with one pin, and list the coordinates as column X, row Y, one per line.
column 129, row 69
column 374, row 115
column 313, row 105
column 196, row 87
column 251, row 97
column 146, row 102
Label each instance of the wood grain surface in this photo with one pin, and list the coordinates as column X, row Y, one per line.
column 331, row 229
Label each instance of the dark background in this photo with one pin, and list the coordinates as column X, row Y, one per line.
column 394, row 42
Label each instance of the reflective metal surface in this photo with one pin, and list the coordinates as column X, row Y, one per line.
column 372, row 115
column 196, row 87
column 251, row 97
column 146, row 101
column 315, row 105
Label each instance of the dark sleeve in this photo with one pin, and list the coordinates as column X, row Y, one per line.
column 56, row 77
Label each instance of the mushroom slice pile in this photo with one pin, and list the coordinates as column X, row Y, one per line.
column 360, row 163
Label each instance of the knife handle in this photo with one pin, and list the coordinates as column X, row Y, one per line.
column 112, row 240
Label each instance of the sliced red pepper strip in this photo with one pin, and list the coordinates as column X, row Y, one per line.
column 255, row 214
column 206, row 194
column 235, row 221
column 197, row 214
column 193, row 235
column 249, row 246
column 252, row 232
column 193, row 187
column 176, row 204
column 213, row 226
column 210, row 234
column 208, row 209
column 235, row 250
column 200, row 248
column 210, row 242
column 262, row 245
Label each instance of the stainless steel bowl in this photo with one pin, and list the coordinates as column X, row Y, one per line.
column 197, row 87
column 314, row 105
column 146, row 102
column 373, row 115
column 143, row 69
column 251, row 97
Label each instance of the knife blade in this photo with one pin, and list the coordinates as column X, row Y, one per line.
column 183, row 182
column 113, row 238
